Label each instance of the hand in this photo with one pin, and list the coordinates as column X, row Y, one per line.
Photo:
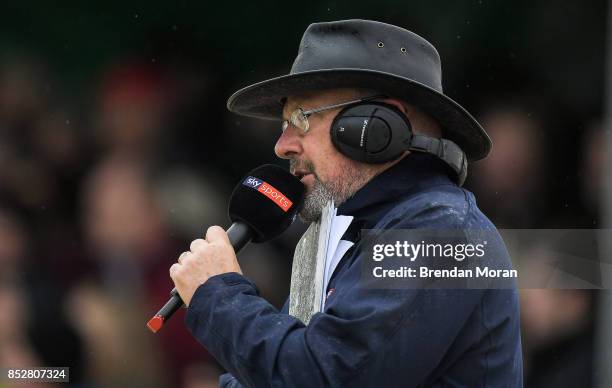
column 207, row 257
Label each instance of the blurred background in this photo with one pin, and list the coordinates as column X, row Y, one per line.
column 116, row 151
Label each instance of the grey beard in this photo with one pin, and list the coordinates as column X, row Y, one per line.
column 339, row 192
column 314, row 202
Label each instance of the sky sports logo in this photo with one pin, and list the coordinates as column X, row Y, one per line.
column 269, row 191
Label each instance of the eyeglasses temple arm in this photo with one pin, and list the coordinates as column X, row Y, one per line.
column 324, row 108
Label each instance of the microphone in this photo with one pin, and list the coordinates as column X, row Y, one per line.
column 262, row 206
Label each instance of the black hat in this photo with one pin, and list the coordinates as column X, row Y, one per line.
column 370, row 55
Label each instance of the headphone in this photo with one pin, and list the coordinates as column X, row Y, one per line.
column 375, row 132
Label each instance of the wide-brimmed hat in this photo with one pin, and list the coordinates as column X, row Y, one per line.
column 369, row 55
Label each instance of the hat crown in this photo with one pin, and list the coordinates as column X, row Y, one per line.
column 369, row 45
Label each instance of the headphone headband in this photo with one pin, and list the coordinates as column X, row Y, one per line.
column 444, row 149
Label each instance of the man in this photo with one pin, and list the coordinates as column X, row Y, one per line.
column 365, row 336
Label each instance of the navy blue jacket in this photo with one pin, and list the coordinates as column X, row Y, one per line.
column 371, row 337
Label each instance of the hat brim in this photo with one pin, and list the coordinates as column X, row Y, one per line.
column 264, row 100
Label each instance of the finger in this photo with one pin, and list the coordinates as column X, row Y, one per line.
column 197, row 244
column 216, row 233
column 182, row 257
column 174, row 269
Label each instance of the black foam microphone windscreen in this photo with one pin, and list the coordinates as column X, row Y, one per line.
column 267, row 199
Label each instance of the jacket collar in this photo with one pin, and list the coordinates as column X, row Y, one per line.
column 416, row 172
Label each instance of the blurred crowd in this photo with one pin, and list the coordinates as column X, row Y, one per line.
column 94, row 208
column 532, row 181
column 100, row 193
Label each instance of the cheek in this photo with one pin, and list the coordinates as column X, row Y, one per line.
column 325, row 157
column 333, row 167
column 327, row 160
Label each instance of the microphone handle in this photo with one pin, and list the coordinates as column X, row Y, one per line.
column 239, row 235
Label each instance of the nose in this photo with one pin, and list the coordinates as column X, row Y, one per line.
column 288, row 144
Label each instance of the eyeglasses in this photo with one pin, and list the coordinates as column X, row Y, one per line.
column 299, row 117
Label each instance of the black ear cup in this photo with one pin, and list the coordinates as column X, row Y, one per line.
column 371, row 132
column 375, row 132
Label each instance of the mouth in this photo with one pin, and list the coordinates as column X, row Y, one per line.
column 301, row 174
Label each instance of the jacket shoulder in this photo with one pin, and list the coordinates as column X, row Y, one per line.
column 441, row 206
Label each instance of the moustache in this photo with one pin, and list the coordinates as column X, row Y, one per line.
column 301, row 165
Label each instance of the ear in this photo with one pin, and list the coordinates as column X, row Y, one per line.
column 395, row 103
